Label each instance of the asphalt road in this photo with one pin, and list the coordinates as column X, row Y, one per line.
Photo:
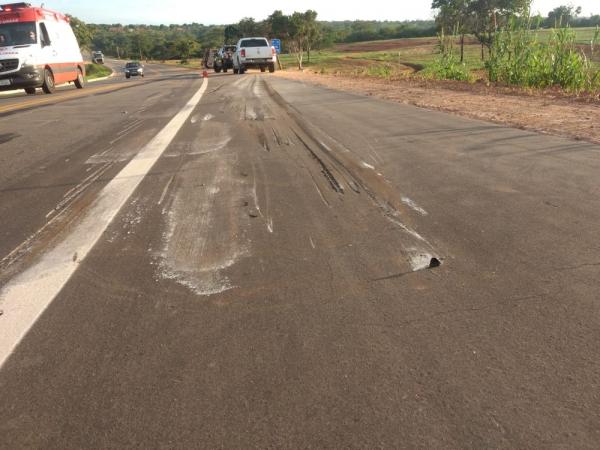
column 250, row 262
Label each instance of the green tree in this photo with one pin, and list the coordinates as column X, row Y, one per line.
column 488, row 16
column 231, row 33
column 454, row 17
column 247, row 27
column 82, row 32
column 278, row 25
column 313, row 31
column 297, row 33
column 185, row 47
column 142, row 43
column 562, row 16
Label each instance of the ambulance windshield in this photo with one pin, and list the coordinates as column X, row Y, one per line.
column 18, row 33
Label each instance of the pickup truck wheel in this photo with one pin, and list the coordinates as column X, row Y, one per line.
column 79, row 81
column 263, row 68
column 225, row 70
column 30, row 90
column 271, row 68
column 217, row 70
column 48, row 87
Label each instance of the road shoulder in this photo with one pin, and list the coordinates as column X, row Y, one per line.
column 566, row 117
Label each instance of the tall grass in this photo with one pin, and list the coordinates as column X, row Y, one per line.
column 518, row 57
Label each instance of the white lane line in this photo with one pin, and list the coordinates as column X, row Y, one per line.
column 26, row 296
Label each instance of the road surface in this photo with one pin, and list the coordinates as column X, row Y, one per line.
column 250, row 262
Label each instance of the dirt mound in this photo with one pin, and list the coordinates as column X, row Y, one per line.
column 393, row 44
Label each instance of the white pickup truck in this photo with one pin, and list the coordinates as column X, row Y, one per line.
column 254, row 52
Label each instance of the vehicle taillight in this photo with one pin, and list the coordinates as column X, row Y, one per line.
column 273, row 51
column 243, row 53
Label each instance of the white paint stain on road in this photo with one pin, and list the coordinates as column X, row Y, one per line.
column 367, row 166
column 419, row 260
column 202, row 238
column 413, row 205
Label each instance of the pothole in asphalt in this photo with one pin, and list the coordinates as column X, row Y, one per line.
column 434, row 263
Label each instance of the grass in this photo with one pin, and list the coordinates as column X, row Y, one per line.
column 93, row 71
column 192, row 63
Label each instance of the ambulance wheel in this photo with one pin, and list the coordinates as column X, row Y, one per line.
column 30, row 91
column 263, row 69
column 271, row 68
column 80, row 81
column 48, row 87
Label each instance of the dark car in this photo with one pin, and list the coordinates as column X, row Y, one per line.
column 224, row 58
column 133, row 69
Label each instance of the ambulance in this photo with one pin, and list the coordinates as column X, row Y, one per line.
column 37, row 49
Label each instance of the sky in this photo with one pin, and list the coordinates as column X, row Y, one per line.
column 231, row 11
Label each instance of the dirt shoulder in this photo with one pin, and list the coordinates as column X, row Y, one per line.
column 549, row 113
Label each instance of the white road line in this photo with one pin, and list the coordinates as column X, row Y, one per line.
column 26, row 296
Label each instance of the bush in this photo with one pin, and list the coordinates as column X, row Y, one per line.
column 447, row 66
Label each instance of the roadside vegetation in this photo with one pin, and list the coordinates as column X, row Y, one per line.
column 519, row 57
column 513, row 49
column 491, row 41
column 93, row 71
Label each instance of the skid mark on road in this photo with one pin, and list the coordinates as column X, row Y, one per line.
column 214, row 137
column 54, row 217
column 342, row 166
